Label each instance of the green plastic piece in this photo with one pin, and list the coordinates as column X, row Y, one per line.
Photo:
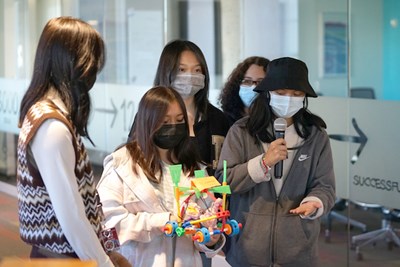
column 175, row 171
column 223, row 189
column 199, row 173
column 180, row 231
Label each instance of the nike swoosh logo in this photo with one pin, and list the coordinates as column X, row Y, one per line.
column 303, row 157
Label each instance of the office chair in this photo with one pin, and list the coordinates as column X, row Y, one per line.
column 340, row 205
column 362, row 92
column 386, row 232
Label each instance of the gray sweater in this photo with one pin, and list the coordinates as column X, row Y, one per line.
column 271, row 236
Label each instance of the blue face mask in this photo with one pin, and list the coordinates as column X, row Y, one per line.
column 247, row 94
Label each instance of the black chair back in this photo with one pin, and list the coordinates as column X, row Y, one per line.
column 362, row 92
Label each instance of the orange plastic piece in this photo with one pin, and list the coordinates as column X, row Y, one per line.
column 167, row 229
column 227, row 229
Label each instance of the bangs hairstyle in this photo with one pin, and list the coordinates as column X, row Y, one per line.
column 168, row 67
column 150, row 117
column 69, row 56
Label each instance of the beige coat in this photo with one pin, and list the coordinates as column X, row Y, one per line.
column 131, row 205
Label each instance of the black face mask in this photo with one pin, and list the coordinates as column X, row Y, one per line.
column 169, row 135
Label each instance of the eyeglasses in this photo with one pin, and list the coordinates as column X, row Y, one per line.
column 249, row 83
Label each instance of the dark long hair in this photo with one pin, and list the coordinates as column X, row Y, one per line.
column 149, row 118
column 229, row 98
column 261, row 119
column 168, row 67
column 69, row 55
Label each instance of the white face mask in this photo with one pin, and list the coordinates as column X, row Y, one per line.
column 285, row 106
column 247, row 94
column 187, row 84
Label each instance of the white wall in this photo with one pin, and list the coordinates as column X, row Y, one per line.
column 367, row 44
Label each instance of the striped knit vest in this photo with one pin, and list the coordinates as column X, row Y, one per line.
column 38, row 223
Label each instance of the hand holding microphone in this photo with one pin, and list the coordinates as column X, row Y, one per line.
column 277, row 151
column 279, row 128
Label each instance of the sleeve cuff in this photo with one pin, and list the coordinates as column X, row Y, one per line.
column 318, row 213
column 211, row 252
column 256, row 170
column 158, row 220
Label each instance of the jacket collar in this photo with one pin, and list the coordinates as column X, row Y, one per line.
column 137, row 183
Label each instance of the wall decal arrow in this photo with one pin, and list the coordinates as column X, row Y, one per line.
column 361, row 139
column 110, row 111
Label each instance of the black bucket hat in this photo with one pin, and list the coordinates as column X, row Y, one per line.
column 286, row 73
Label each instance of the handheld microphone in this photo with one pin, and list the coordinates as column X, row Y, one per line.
column 279, row 129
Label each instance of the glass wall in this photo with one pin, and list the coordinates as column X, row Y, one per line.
column 347, row 45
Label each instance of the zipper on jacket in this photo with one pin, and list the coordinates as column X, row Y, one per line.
column 272, row 242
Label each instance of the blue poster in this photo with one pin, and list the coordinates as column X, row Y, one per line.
column 335, row 51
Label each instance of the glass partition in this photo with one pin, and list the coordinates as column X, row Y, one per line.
column 374, row 108
column 350, row 47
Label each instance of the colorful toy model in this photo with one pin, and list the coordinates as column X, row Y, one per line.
column 201, row 223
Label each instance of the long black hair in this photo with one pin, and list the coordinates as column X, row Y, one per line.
column 69, row 55
column 168, row 67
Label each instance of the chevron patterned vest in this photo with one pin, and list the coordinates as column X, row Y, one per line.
column 38, row 223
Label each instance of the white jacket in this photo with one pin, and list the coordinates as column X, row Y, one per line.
column 131, row 205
